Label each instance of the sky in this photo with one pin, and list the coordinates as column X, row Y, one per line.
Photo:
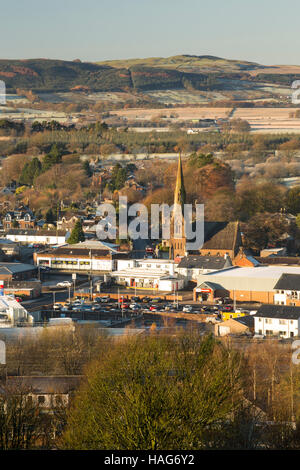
column 262, row 31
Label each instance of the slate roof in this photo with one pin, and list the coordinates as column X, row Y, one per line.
column 205, row 262
column 48, row 233
column 279, row 260
column 288, row 282
column 247, row 320
column 220, row 235
column 278, row 311
column 13, row 268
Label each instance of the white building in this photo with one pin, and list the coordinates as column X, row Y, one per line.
column 277, row 320
column 152, row 279
column 43, row 237
column 12, row 312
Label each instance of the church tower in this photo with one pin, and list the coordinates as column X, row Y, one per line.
column 178, row 243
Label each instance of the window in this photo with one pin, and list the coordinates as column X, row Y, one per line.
column 282, row 333
column 269, row 332
column 282, row 322
column 41, row 399
column 268, row 320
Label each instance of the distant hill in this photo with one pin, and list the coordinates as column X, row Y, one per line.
column 187, row 63
column 204, row 73
column 60, row 75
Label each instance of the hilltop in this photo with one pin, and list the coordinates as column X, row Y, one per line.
column 177, row 79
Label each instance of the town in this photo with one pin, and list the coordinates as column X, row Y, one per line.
column 149, row 230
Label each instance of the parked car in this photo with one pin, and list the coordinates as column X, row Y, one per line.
column 153, row 308
column 145, row 300
column 135, row 299
column 64, row 284
column 227, row 308
column 187, row 309
column 156, row 300
column 134, row 306
column 57, row 306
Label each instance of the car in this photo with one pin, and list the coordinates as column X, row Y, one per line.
column 57, row 306
column 66, row 308
column 135, row 299
column 153, row 308
column 187, row 309
column 64, row 284
column 227, row 308
column 96, row 307
column 134, row 306
column 146, row 300
column 156, row 300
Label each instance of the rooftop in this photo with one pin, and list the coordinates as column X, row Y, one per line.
column 278, row 311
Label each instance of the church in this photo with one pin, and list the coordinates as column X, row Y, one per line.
column 220, row 238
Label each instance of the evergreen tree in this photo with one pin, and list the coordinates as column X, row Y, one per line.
column 30, row 171
column 77, row 234
column 87, row 169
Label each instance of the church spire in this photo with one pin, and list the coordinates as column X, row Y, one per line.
column 179, row 195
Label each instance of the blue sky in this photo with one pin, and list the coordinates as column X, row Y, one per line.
column 262, row 31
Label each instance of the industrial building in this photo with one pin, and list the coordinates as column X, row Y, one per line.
column 88, row 256
column 255, row 284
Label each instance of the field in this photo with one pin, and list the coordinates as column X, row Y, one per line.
column 182, row 114
column 260, row 119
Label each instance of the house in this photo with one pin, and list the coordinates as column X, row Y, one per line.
column 43, row 236
column 235, row 326
column 288, row 290
column 21, row 217
column 277, row 320
column 67, row 224
column 46, row 391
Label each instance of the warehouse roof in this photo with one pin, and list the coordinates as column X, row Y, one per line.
column 288, row 282
column 278, row 311
column 13, row 268
column 260, row 278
